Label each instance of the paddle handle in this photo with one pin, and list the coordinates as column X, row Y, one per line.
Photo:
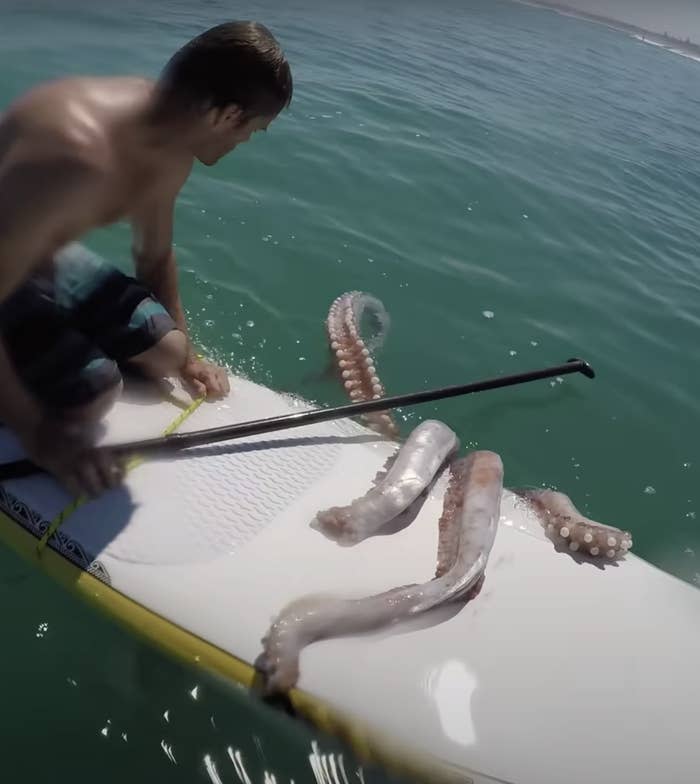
column 178, row 441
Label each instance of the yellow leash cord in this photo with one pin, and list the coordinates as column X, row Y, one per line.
column 132, row 463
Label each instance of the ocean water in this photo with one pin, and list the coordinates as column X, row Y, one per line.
column 518, row 187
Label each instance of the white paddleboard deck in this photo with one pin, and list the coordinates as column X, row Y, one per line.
column 560, row 670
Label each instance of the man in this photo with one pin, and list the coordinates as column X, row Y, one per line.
column 81, row 153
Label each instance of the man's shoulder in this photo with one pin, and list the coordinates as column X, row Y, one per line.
column 40, row 156
column 66, row 119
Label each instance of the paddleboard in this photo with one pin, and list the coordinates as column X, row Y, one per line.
column 561, row 669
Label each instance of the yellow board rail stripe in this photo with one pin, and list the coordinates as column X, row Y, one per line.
column 369, row 743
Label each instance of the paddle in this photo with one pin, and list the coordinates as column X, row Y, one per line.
column 178, row 441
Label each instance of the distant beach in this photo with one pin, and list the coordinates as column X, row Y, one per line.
column 684, row 48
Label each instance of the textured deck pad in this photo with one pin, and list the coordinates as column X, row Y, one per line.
column 202, row 504
column 218, row 541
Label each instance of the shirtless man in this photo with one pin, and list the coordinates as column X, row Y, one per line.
column 81, row 153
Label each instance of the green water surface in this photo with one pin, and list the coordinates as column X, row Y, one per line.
column 517, row 188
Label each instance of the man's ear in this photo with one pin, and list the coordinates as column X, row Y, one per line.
column 225, row 118
column 232, row 115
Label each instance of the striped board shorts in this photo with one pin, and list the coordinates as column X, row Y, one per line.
column 70, row 330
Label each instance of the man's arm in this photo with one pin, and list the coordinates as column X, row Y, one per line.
column 59, row 447
column 18, row 408
column 156, row 268
column 43, row 204
column 154, row 259
column 56, row 446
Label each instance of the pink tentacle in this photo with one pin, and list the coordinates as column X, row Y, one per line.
column 566, row 525
column 355, row 362
column 448, row 524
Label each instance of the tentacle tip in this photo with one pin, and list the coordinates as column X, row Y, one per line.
column 273, row 684
column 282, row 677
column 324, row 519
column 262, row 663
column 335, row 525
column 348, row 539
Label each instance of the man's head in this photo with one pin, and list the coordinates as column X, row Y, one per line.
column 231, row 80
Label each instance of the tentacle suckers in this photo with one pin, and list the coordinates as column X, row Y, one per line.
column 563, row 522
column 356, row 364
column 466, row 529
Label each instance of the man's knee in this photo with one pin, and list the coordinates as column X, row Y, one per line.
column 96, row 408
column 166, row 358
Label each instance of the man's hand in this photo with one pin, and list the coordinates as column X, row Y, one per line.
column 65, row 452
column 205, row 379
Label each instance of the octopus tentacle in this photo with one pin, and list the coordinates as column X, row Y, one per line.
column 314, row 618
column 354, row 355
column 564, row 522
column 482, row 488
column 418, row 461
column 467, row 526
column 448, row 524
column 319, row 617
column 384, row 470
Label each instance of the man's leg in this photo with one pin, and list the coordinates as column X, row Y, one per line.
column 165, row 358
column 95, row 409
column 120, row 315
column 69, row 376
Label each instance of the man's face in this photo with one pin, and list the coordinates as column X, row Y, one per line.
column 228, row 129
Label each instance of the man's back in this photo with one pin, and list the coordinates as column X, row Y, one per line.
column 100, row 123
column 82, row 149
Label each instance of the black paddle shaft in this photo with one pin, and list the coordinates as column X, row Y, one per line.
column 178, row 441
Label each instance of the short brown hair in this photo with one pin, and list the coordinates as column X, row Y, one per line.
column 233, row 63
